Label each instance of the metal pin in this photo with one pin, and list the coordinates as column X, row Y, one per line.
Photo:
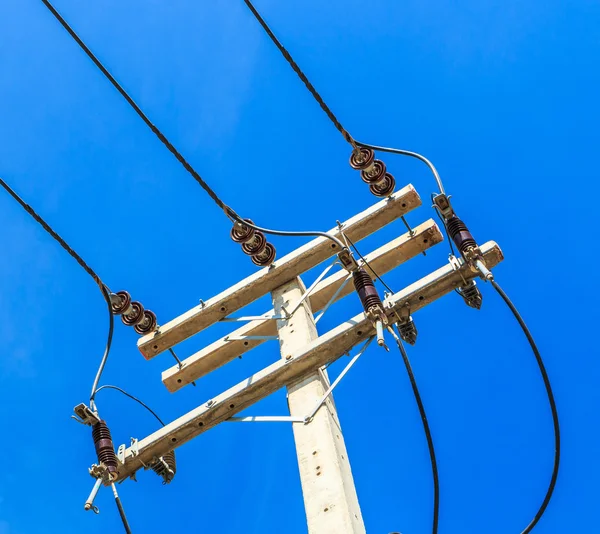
column 379, row 328
column 89, row 504
column 485, row 272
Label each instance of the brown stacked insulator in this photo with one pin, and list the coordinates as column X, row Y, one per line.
column 165, row 467
column 408, row 331
column 133, row 313
column 459, row 233
column 254, row 243
column 366, row 290
column 471, row 294
column 373, row 172
column 105, row 448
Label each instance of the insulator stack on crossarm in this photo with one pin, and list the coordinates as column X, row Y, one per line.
column 133, row 313
column 371, row 301
column 254, row 243
column 105, row 448
column 373, row 172
column 462, row 237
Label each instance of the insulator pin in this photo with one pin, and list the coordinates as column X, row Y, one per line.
column 105, row 448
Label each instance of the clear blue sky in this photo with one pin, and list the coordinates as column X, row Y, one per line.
column 501, row 95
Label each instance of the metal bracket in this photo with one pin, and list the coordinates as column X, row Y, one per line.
column 85, row 415
column 244, row 338
column 442, row 203
column 266, row 419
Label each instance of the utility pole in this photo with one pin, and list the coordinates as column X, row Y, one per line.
column 330, row 498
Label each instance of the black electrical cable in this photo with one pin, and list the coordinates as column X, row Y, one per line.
column 163, row 139
column 103, row 287
column 421, row 407
column 551, row 401
column 434, row 469
column 367, row 264
column 353, row 142
column 109, row 386
column 121, row 510
column 301, row 75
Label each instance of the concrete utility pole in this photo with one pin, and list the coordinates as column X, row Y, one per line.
column 330, row 498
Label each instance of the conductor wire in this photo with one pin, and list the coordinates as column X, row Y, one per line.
column 551, row 401
column 103, row 287
column 353, row 142
column 417, row 395
column 170, row 147
column 109, row 386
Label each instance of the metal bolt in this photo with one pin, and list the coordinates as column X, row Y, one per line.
column 210, row 403
column 288, row 357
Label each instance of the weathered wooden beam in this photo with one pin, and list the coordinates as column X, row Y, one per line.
column 282, row 270
column 319, row 352
column 224, row 350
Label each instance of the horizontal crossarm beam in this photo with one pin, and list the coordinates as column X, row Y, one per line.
column 319, row 352
column 243, row 339
column 286, row 268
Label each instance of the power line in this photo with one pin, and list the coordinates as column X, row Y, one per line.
column 427, row 430
column 170, row 147
column 302, row 76
column 103, row 287
column 353, row 142
column 551, row 402
column 109, row 386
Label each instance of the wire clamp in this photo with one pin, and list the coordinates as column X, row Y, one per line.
column 85, row 415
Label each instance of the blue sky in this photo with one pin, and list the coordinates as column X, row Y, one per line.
column 501, row 95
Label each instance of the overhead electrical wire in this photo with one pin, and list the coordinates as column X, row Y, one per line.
column 551, row 401
column 311, row 88
column 419, row 401
column 428, row 436
column 163, row 139
column 103, row 287
column 110, row 386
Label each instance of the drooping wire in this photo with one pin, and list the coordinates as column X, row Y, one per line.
column 427, row 430
column 170, row 147
column 551, row 402
column 109, row 386
column 417, row 395
column 103, row 287
column 353, row 142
